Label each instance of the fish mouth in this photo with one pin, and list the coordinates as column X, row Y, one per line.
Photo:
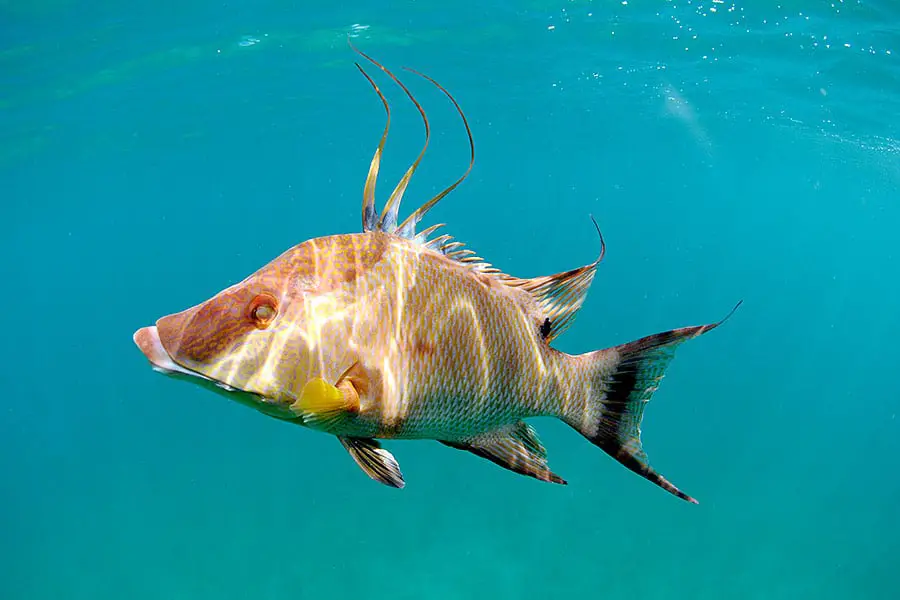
column 147, row 340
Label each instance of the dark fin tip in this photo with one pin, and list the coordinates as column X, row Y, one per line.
column 731, row 312
column 704, row 328
column 602, row 241
column 516, row 448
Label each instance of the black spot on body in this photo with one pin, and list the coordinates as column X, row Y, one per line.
column 546, row 328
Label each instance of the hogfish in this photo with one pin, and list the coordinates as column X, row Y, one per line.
column 396, row 333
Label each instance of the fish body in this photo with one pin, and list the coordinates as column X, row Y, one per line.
column 394, row 334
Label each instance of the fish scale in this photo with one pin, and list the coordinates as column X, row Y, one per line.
column 445, row 373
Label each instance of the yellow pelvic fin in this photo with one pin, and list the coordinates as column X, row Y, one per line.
column 320, row 401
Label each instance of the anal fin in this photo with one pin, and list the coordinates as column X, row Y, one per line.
column 375, row 461
column 515, row 447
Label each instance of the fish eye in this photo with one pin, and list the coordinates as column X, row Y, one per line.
column 262, row 310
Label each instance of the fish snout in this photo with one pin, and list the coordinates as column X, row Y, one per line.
column 147, row 340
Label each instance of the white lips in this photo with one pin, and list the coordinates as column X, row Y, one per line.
column 147, row 339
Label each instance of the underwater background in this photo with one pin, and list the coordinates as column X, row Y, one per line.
column 152, row 154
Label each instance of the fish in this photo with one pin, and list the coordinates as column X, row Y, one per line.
column 398, row 334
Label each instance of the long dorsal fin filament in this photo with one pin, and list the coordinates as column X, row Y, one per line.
column 369, row 214
column 409, row 225
column 558, row 296
column 387, row 220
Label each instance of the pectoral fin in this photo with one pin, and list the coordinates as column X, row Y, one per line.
column 375, row 461
column 321, row 403
column 516, row 448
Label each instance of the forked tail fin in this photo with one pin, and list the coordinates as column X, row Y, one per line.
column 623, row 380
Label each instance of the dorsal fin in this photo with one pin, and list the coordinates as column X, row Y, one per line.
column 387, row 221
column 560, row 295
column 408, row 227
column 369, row 214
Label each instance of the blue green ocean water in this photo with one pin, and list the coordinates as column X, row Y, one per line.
column 152, row 154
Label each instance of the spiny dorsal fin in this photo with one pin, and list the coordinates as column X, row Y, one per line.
column 516, row 447
column 387, row 221
column 408, row 227
column 369, row 214
column 559, row 296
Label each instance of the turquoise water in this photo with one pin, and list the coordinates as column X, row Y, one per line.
column 729, row 150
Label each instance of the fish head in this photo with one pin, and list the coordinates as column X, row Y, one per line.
column 261, row 340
